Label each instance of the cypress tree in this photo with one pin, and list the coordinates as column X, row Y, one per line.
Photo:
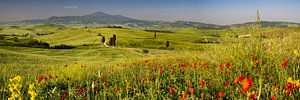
column 111, row 40
column 114, row 39
column 103, row 39
column 167, row 44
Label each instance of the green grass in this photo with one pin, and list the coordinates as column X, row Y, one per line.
column 151, row 75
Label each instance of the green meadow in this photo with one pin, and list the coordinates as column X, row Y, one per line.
column 231, row 63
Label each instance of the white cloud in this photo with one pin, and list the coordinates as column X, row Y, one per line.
column 70, row 7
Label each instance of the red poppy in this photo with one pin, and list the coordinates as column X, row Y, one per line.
column 258, row 61
column 79, row 90
column 161, row 70
column 66, row 65
column 252, row 96
column 246, row 84
column 221, row 67
column 227, row 64
column 116, row 90
column 284, row 63
column 202, row 83
column 143, row 80
column 150, row 79
column 190, row 83
column 96, row 85
column 170, row 64
column 41, row 78
column 227, row 83
column 252, row 58
column 146, row 61
column 184, row 95
column 220, row 95
column 238, row 80
column 155, row 66
column 104, row 83
column 49, row 76
column 273, row 98
column 289, row 87
column 63, row 96
column 191, row 90
column 275, row 88
column 171, row 90
column 173, row 70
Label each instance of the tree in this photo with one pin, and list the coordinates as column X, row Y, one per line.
column 114, row 40
column 103, row 40
column 111, row 40
column 167, row 44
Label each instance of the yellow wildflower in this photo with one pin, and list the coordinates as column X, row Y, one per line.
column 32, row 91
column 296, row 53
column 15, row 88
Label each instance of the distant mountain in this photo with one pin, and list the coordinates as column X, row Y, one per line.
column 107, row 19
column 94, row 18
column 269, row 24
column 100, row 18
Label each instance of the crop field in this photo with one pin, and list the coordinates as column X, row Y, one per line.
column 233, row 63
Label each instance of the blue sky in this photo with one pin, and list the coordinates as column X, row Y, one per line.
column 209, row 11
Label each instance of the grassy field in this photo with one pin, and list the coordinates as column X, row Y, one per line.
column 234, row 63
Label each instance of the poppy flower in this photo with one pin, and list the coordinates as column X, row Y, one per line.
column 116, row 90
column 143, row 80
column 79, row 90
column 104, row 83
column 202, row 83
column 50, row 76
column 184, row 95
column 227, row 83
column 246, row 84
column 221, row 67
column 150, row 79
column 273, row 98
column 275, row 88
column 66, row 65
column 252, row 96
column 220, row 95
column 238, row 80
column 96, row 85
column 227, row 64
column 252, row 58
column 284, row 63
column 190, row 83
column 171, row 90
column 161, row 70
column 146, row 61
column 173, row 70
column 191, row 90
column 155, row 66
column 41, row 78
column 258, row 61
column 63, row 96
column 170, row 64
column 289, row 86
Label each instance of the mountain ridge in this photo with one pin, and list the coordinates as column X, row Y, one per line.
column 108, row 19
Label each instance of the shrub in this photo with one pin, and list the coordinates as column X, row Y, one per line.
column 62, row 46
column 2, row 37
column 145, row 51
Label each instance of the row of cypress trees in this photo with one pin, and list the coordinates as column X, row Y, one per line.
column 112, row 40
